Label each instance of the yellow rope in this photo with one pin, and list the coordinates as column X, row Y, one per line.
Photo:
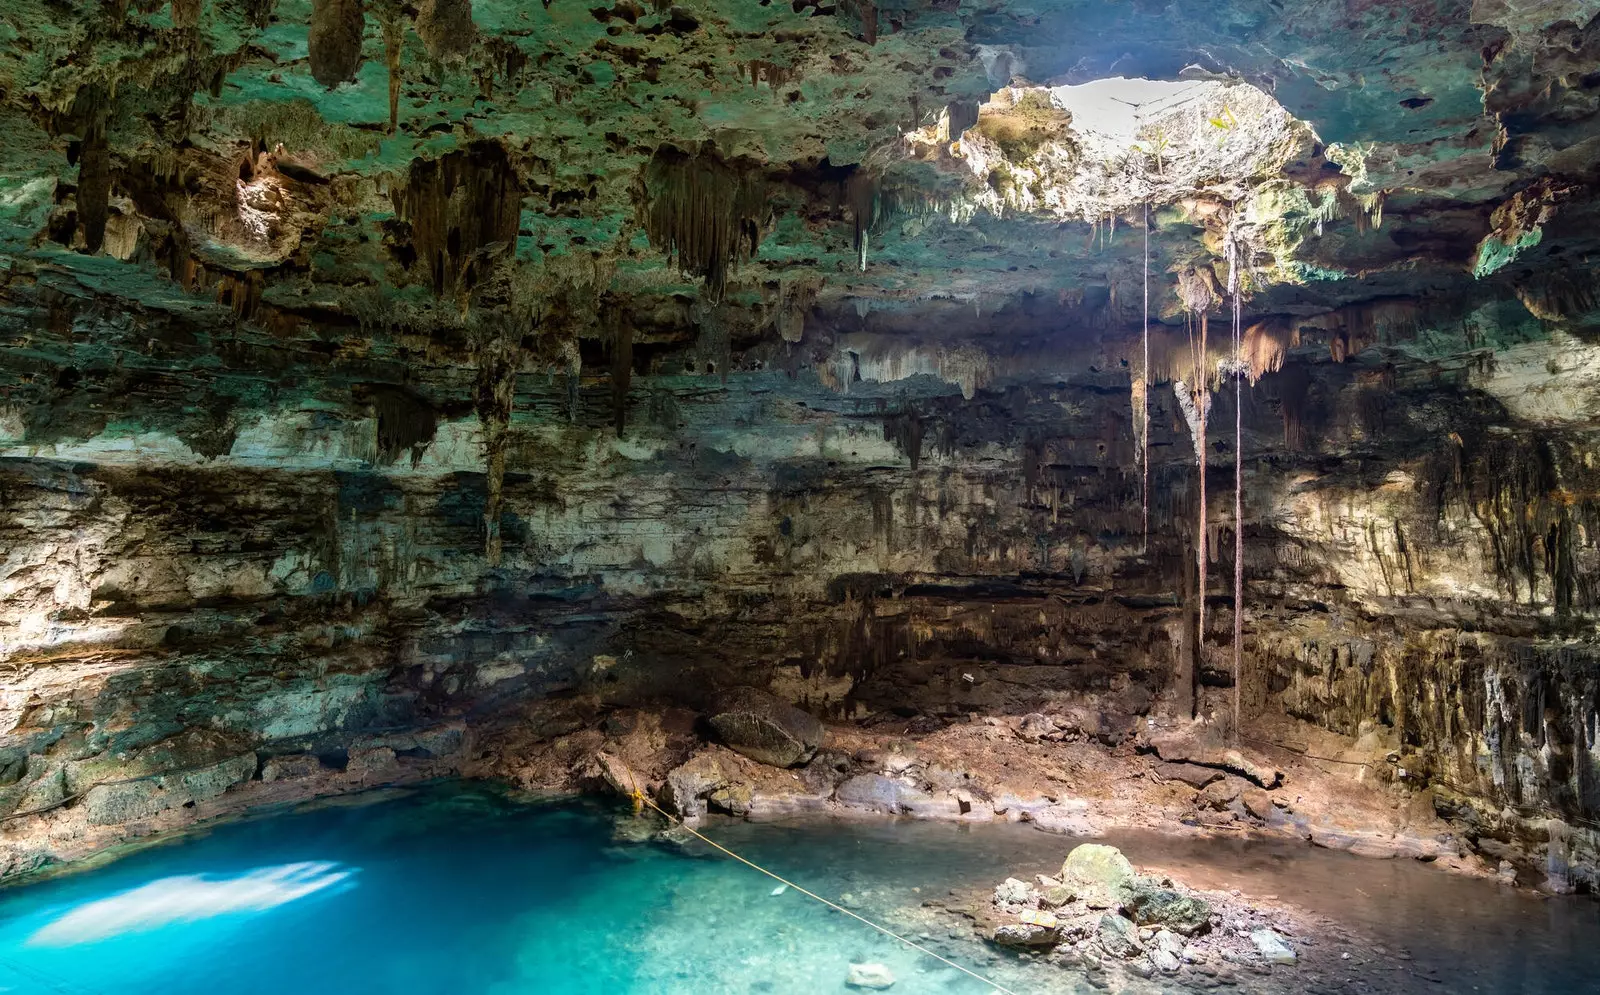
column 639, row 797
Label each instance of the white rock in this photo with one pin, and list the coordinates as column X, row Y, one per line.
column 1273, row 947
column 869, row 976
column 1012, row 892
column 1166, row 951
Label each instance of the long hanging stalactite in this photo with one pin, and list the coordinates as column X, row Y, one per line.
column 1195, row 290
column 1240, row 370
column 1144, row 401
column 498, row 358
column 1203, row 408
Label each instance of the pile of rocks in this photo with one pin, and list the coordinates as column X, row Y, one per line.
column 1100, row 912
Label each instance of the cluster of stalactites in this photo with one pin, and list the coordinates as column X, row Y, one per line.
column 704, row 213
column 463, row 209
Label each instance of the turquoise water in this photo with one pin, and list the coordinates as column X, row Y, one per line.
column 457, row 891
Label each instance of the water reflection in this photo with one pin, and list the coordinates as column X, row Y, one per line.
column 190, row 898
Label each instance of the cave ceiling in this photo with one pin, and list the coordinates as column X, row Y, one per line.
column 374, row 184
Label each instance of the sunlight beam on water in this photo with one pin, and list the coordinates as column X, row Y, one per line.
column 189, row 898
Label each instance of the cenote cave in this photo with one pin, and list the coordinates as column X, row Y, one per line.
column 799, row 496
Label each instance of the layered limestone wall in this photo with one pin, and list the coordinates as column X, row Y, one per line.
column 309, row 602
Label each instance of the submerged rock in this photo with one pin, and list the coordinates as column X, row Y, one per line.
column 875, row 976
column 1099, row 874
column 1273, row 947
column 766, row 728
column 1152, row 905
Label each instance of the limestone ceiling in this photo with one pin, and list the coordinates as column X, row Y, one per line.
column 391, row 170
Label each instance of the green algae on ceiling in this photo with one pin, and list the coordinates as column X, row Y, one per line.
column 133, row 135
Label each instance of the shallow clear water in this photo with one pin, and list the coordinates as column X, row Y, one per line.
column 455, row 890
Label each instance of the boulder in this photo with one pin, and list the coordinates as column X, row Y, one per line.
column 1220, row 794
column 1119, row 938
column 766, row 728
column 735, row 799
column 1272, row 946
column 875, row 976
column 872, row 792
column 290, row 767
column 688, row 784
column 1025, row 935
column 618, row 775
column 1055, row 896
column 1194, row 776
column 1034, row 727
column 1152, row 905
column 1180, row 746
column 1099, row 874
column 1166, row 952
column 1257, row 802
column 1012, row 892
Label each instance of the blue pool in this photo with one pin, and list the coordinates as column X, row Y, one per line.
column 458, row 890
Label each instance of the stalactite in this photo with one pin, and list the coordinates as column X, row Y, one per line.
column 333, row 40
column 463, row 208
column 1203, row 408
column 704, row 213
column 1235, row 253
column 621, row 365
column 862, row 197
column 1196, row 293
column 94, row 166
column 963, row 115
column 1144, row 400
column 497, row 361
column 186, row 13
column 405, row 422
column 867, row 12
column 393, row 38
column 446, row 27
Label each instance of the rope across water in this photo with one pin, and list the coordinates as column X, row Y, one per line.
column 640, row 798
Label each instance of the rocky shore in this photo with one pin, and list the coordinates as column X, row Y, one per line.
column 756, row 757
column 762, row 759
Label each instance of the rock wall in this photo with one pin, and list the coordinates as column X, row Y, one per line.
column 230, row 581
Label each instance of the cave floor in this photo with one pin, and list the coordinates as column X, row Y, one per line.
column 461, row 887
